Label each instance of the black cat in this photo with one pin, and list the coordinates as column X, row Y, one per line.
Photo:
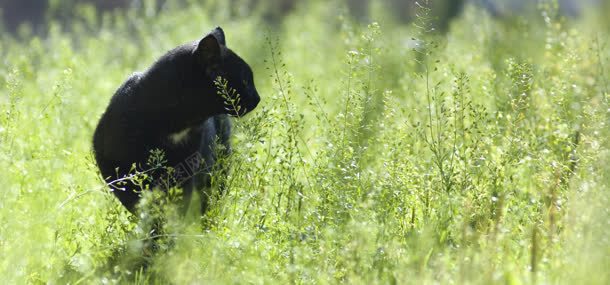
column 173, row 106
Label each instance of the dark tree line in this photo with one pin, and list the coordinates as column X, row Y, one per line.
column 443, row 11
column 14, row 13
column 403, row 10
column 36, row 12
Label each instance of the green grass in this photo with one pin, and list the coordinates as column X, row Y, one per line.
column 380, row 153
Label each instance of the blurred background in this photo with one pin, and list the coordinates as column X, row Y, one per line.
column 381, row 152
column 27, row 17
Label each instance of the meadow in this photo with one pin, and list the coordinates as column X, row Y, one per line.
column 381, row 152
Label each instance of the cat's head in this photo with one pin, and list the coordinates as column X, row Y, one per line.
column 219, row 62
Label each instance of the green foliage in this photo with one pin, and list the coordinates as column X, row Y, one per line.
column 380, row 153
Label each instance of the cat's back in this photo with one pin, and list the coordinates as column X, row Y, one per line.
column 129, row 87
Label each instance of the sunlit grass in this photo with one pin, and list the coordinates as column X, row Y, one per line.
column 380, row 153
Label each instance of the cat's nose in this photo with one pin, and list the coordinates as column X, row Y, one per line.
column 255, row 100
column 251, row 104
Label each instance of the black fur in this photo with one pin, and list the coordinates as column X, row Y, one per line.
column 177, row 93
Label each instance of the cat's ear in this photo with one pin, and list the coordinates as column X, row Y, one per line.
column 220, row 35
column 208, row 51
